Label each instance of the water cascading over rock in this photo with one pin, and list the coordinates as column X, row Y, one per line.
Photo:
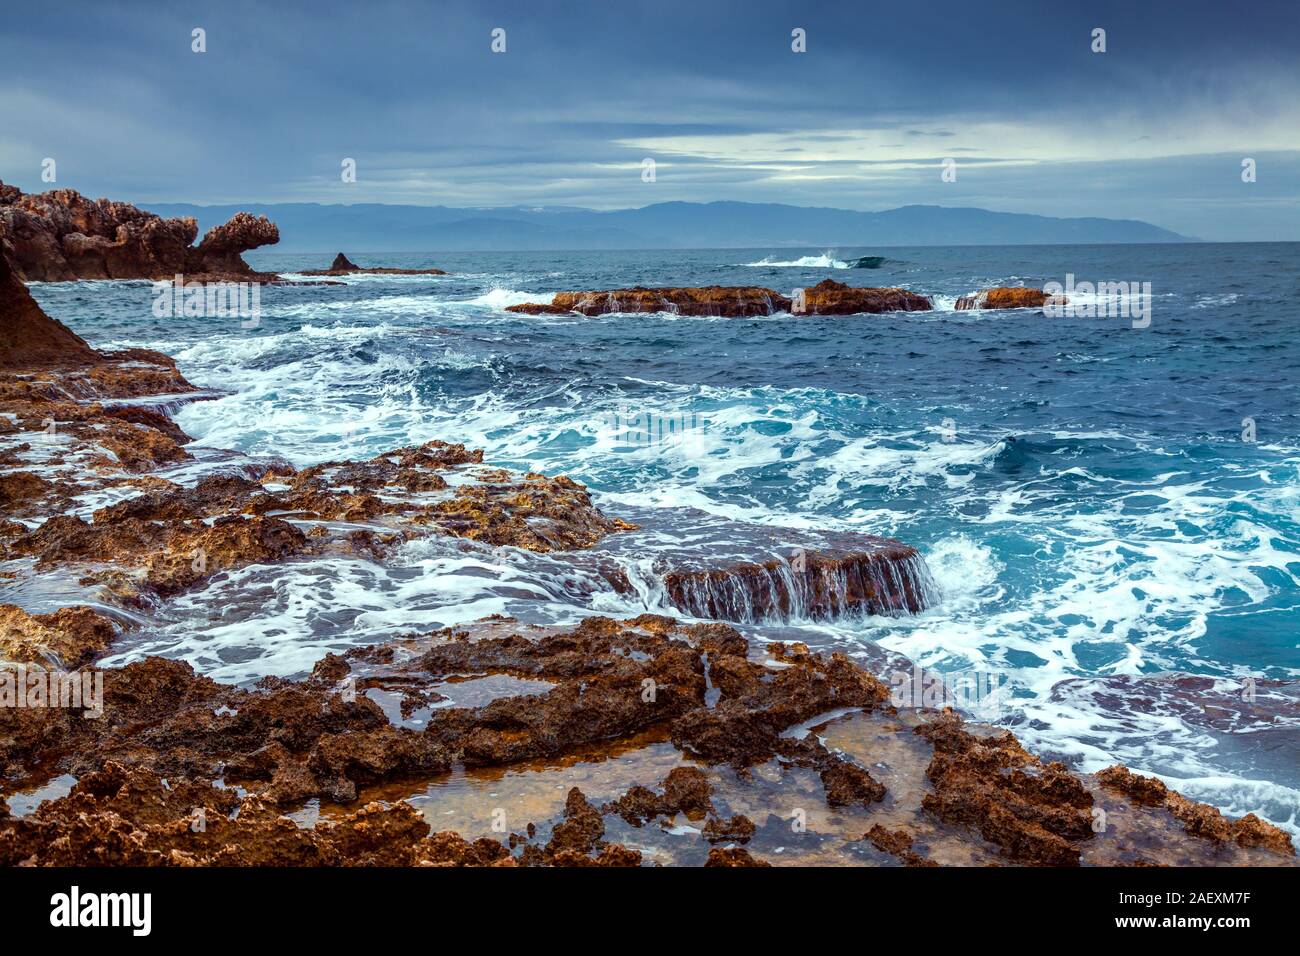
column 889, row 579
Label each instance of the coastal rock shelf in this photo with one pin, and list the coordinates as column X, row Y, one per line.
column 357, row 764
column 825, row 298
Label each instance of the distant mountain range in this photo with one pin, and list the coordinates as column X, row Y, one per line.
column 375, row 227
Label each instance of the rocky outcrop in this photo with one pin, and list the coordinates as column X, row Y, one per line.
column 1008, row 297
column 825, row 298
column 219, row 252
column 829, row 297
column 538, row 308
column 343, row 266
column 60, row 236
column 30, row 337
column 1196, row 818
column 716, row 300
column 1038, row 813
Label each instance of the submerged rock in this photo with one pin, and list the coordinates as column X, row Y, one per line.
column 1008, row 297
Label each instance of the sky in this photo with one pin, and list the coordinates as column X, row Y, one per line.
column 1154, row 128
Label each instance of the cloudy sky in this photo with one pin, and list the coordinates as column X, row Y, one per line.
column 1155, row 128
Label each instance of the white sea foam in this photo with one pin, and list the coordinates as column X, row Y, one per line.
column 826, row 260
column 373, row 278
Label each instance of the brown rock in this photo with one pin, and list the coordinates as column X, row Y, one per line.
column 738, row 829
column 1008, row 297
column 829, row 297
column 60, row 235
column 878, row 576
column 685, row 790
column 219, row 252
column 1198, row 819
column 733, row 856
column 29, row 337
column 538, row 308
column 1038, row 813
column 896, row 843
column 731, row 301
column 538, row 514
column 71, row 635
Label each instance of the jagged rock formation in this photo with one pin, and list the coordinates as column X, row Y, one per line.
column 68, row 637
column 1008, row 297
column 60, row 235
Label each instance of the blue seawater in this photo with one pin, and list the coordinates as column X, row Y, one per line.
column 1105, row 539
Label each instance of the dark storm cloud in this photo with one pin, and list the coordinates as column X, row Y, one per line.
column 1154, row 128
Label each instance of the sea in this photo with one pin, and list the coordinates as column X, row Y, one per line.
column 1108, row 504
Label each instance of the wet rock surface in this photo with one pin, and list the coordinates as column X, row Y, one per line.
column 816, row 585
column 825, row 298
column 743, row 773
column 68, row 637
column 1008, row 297
column 731, row 301
column 829, row 297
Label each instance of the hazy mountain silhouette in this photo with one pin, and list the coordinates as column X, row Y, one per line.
column 375, row 227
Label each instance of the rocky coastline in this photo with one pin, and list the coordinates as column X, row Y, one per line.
column 60, row 236
column 675, row 743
